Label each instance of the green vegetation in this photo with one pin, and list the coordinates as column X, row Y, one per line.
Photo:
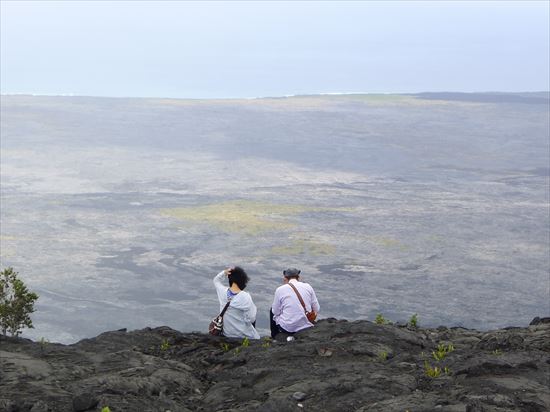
column 251, row 218
column 442, row 351
column 435, row 372
column 383, row 355
column 244, row 344
column 105, row 409
column 497, row 352
column 241, row 216
column 439, row 354
column 432, row 372
column 16, row 303
column 266, row 342
column 413, row 321
column 381, row 320
column 165, row 345
column 43, row 343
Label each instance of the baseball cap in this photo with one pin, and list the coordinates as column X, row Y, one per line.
column 291, row 272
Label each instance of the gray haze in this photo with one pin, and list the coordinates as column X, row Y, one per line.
column 247, row 49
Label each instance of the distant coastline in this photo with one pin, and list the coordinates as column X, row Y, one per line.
column 539, row 93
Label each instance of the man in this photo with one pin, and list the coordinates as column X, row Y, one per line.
column 287, row 314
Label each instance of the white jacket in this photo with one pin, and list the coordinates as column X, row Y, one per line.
column 241, row 313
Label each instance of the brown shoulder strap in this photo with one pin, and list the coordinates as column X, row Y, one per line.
column 299, row 296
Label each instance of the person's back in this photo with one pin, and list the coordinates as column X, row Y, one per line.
column 287, row 313
column 239, row 319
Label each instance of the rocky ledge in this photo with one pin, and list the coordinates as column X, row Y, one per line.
column 335, row 366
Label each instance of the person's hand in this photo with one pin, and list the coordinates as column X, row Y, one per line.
column 228, row 271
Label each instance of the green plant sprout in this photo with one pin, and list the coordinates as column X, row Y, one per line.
column 442, row 351
column 224, row 346
column 434, row 372
column 497, row 352
column 383, row 356
column 165, row 345
column 245, row 343
column 106, row 409
column 413, row 321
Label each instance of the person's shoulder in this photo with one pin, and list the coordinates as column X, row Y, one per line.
column 281, row 288
column 244, row 295
column 307, row 285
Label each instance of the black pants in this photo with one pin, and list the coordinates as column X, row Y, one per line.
column 276, row 329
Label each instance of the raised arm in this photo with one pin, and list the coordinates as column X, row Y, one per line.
column 221, row 288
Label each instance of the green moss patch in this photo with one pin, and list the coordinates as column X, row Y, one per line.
column 241, row 216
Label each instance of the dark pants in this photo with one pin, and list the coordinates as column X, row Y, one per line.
column 276, row 329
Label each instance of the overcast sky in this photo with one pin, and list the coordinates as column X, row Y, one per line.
column 249, row 49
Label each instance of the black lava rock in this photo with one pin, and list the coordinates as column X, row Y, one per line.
column 335, row 366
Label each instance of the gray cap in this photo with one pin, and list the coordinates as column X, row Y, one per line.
column 290, row 272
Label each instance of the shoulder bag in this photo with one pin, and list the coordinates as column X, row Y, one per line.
column 216, row 326
column 311, row 316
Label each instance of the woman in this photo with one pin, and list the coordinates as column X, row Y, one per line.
column 240, row 317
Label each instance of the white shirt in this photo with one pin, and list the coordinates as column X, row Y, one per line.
column 287, row 310
column 241, row 313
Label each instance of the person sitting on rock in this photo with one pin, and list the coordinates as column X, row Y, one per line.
column 240, row 317
column 292, row 303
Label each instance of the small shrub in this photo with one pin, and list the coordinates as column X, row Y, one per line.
column 380, row 320
column 442, row 351
column 43, row 343
column 106, row 409
column 165, row 345
column 224, row 346
column 432, row 372
column 244, row 344
column 16, row 303
column 413, row 321
column 383, row 356
column 267, row 342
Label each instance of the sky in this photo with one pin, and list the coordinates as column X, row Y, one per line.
column 186, row 49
